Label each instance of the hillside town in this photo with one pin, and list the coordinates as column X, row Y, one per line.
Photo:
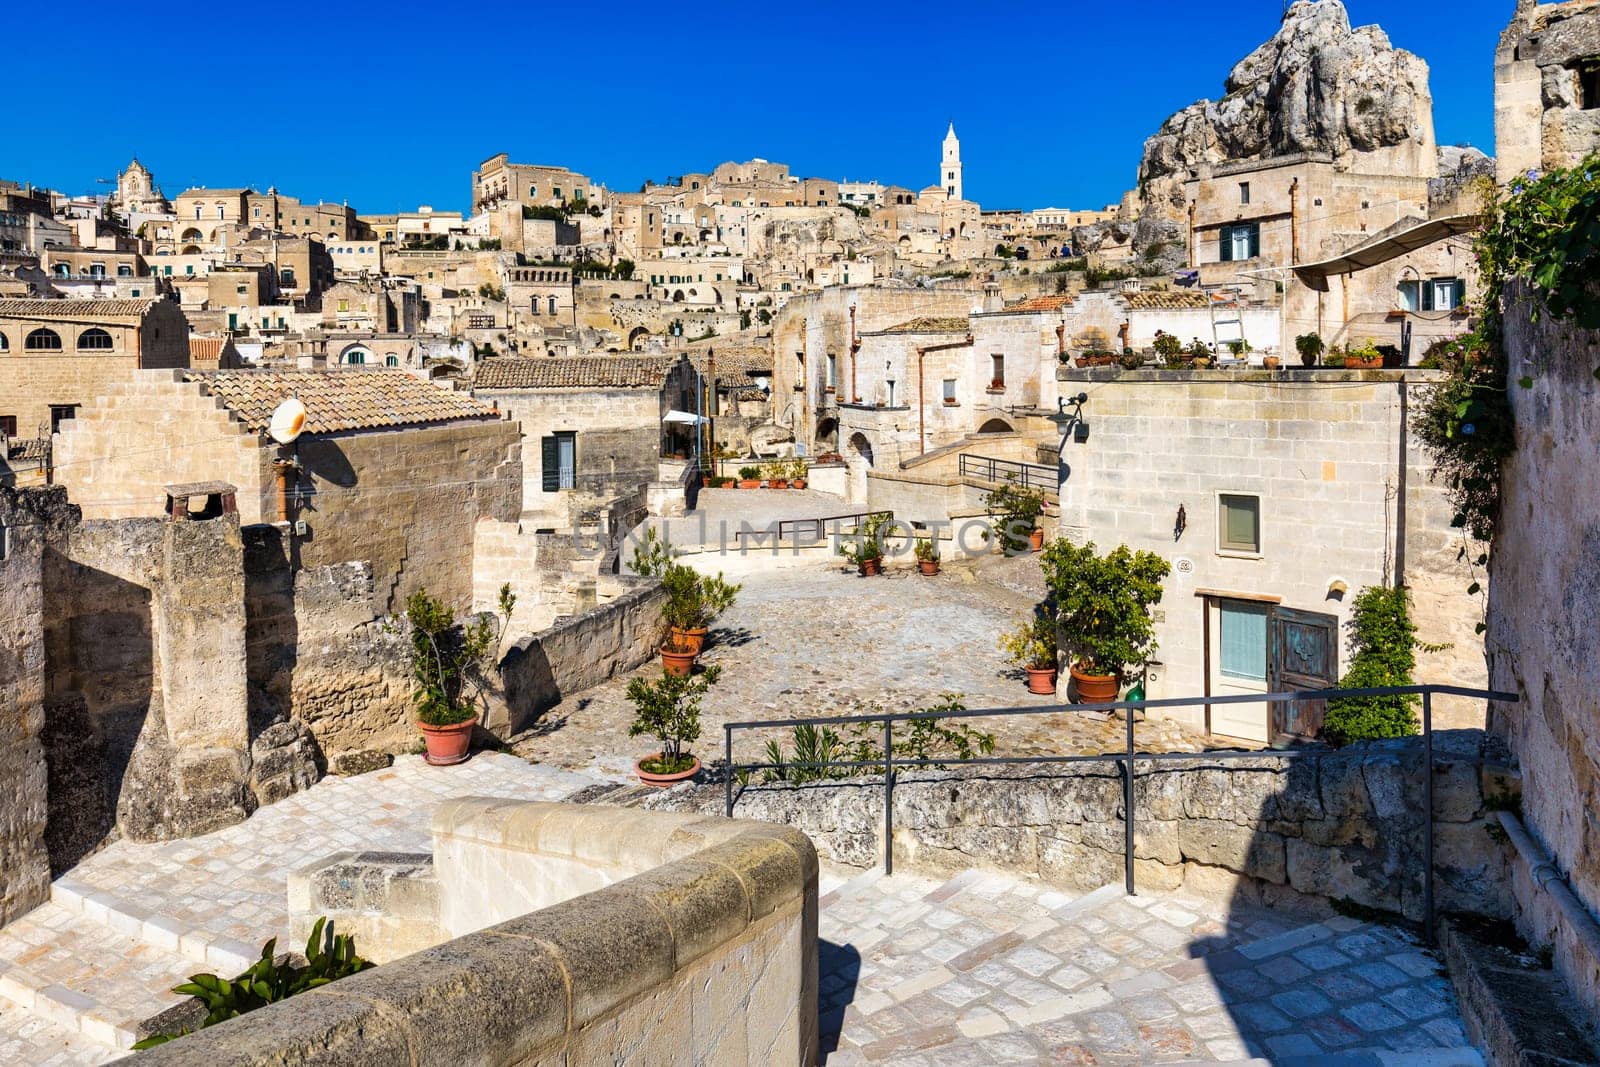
column 777, row 619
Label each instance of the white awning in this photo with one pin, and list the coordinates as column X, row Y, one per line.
column 684, row 417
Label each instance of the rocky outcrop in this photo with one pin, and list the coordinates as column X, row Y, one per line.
column 1460, row 168
column 1317, row 86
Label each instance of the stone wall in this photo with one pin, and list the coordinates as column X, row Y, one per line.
column 26, row 521
column 686, row 940
column 1328, row 826
column 1544, row 597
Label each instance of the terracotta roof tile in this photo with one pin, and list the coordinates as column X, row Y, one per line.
column 1054, row 302
column 1167, row 299
column 341, row 400
column 575, row 372
column 76, row 309
column 931, row 324
column 29, row 450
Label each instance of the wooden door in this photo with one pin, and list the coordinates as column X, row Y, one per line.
column 1304, row 656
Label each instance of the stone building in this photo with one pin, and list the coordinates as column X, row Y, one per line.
column 1547, row 87
column 497, row 179
column 391, row 470
column 1231, row 478
column 57, row 355
column 593, row 427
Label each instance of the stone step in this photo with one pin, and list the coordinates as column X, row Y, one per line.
column 85, row 977
column 224, row 955
column 28, row 1039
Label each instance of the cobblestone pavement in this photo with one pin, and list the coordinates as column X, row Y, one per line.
column 78, row 973
column 821, row 640
column 985, row 968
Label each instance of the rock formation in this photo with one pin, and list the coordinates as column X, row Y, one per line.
column 1316, row 86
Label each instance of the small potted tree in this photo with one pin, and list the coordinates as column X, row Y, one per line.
column 749, row 477
column 668, row 709
column 1309, row 346
column 447, row 661
column 866, row 550
column 776, row 474
column 927, row 556
column 797, row 473
column 1016, row 511
column 694, row 602
column 1032, row 646
column 1102, row 608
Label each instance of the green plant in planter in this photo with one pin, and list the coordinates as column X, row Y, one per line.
column 1239, row 348
column 1032, row 644
column 1103, row 603
column 1366, row 352
column 695, row 600
column 269, row 980
column 652, row 555
column 447, row 659
column 771, row 472
column 1017, row 512
column 1309, row 346
column 1383, row 640
column 1199, row 350
column 1168, row 348
column 668, row 709
column 795, row 469
column 926, row 550
column 749, row 474
column 868, row 542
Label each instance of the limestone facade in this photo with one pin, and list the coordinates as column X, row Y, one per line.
column 1546, row 88
column 1342, row 498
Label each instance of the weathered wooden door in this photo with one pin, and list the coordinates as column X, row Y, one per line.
column 1304, row 655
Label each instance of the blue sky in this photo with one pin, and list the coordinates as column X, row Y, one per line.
column 392, row 105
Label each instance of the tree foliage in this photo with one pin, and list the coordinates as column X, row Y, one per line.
column 447, row 659
column 1383, row 641
column 1103, row 603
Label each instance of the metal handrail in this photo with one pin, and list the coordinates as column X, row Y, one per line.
column 821, row 525
column 1125, row 758
column 1027, row 475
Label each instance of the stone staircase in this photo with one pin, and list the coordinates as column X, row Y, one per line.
column 986, row 968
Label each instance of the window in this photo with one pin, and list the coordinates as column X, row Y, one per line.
column 124, row 271
column 1410, row 296
column 60, row 413
column 1241, row 241
column 5, row 345
column 43, row 340
column 95, row 340
column 833, row 371
column 558, row 469
column 997, row 371
column 1244, row 192
column 1238, row 523
column 1244, row 640
column 220, row 214
column 1589, row 83
column 949, row 390
column 552, row 305
column 356, row 357
column 8, row 426
column 1443, row 294
column 391, row 361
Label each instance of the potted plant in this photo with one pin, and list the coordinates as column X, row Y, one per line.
column 668, row 709
column 866, row 552
column 1102, row 606
column 447, row 662
column 797, row 473
column 694, row 602
column 1271, row 362
column 776, row 475
column 1309, row 346
column 1169, row 350
column 1017, row 512
column 1032, row 646
column 1363, row 357
column 1200, row 354
column 749, row 477
column 927, row 556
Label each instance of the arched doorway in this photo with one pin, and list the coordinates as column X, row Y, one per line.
column 637, row 338
column 996, row 426
column 860, row 446
column 828, row 435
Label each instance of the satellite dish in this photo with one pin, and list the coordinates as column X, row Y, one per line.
column 288, row 421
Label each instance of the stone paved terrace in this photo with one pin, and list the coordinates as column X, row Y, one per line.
column 818, row 639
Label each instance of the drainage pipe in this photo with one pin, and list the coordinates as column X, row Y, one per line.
column 1546, row 877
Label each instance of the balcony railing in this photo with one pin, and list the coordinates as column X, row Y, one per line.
column 999, row 471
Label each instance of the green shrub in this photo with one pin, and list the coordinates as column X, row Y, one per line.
column 1016, row 511
column 920, row 739
column 1383, row 644
column 447, row 659
column 1103, row 603
column 328, row 958
column 668, row 709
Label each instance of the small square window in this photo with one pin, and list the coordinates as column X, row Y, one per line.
column 1244, row 192
column 949, row 390
column 1238, row 523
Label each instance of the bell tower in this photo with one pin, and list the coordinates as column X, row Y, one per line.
column 950, row 169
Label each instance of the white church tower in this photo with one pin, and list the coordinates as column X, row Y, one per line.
column 950, row 170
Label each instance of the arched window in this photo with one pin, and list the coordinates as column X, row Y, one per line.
column 5, row 345
column 63, row 270
column 43, row 340
column 356, row 357
column 95, row 340
column 391, row 360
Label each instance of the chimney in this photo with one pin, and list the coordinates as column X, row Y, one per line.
column 992, row 300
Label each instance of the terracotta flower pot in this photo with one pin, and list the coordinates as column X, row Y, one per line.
column 661, row 781
column 798, row 483
column 930, row 567
column 1041, row 680
column 749, row 483
column 447, row 744
column 779, row 483
column 1271, row 362
column 870, row 567
column 1036, row 540
column 677, row 662
column 1096, row 688
column 692, row 641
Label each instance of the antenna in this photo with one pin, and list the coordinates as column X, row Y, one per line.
column 288, row 421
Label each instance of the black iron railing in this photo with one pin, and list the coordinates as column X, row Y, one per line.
column 997, row 471
column 1125, row 758
column 822, row 529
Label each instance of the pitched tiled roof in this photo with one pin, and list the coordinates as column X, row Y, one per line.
column 118, row 310
column 930, row 324
column 206, row 349
column 30, row 450
column 339, row 400
column 575, row 372
column 1167, row 299
column 745, row 361
column 1054, row 302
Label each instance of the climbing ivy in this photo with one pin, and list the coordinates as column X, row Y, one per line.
column 1544, row 230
